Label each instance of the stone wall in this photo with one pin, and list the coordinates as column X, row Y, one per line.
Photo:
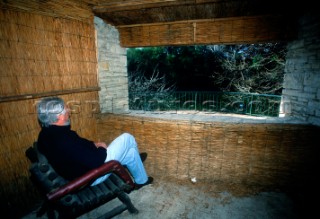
column 112, row 69
column 301, row 94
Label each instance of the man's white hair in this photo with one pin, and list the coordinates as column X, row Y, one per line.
column 49, row 109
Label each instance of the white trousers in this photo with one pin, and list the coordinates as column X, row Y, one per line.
column 125, row 150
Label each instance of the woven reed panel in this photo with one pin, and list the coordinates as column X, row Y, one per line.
column 79, row 10
column 252, row 154
column 40, row 54
column 208, row 31
column 157, row 35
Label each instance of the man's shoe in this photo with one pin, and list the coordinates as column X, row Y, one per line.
column 143, row 156
column 139, row 186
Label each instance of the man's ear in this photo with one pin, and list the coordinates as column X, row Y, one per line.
column 59, row 117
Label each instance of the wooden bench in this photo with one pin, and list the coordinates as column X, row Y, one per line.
column 71, row 199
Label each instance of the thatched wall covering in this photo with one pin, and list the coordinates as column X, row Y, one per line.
column 268, row 155
column 40, row 56
column 74, row 9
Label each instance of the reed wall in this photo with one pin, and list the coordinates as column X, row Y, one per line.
column 267, row 155
column 40, row 56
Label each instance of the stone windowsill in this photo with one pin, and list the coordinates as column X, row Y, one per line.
column 198, row 116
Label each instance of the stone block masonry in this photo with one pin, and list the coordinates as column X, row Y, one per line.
column 301, row 92
column 112, row 69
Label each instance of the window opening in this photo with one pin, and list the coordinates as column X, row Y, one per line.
column 243, row 79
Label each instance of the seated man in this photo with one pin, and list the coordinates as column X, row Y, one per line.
column 72, row 156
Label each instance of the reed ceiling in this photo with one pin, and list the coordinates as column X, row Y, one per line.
column 145, row 11
column 163, row 15
column 128, row 12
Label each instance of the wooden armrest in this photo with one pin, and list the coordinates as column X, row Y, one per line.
column 108, row 167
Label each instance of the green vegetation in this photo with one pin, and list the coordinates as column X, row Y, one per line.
column 254, row 68
column 158, row 74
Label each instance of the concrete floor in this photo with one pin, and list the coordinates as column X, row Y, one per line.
column 187, row 200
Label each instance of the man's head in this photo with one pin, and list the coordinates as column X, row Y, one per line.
column 52, row 111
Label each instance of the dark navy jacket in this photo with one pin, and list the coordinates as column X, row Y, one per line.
column 69, row 154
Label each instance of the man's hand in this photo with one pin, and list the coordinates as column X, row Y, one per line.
column 101, row 144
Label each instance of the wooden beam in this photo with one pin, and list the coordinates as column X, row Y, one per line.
column 116, row 5
column 47, row 94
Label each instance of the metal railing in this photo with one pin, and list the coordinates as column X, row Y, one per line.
column 228, row 102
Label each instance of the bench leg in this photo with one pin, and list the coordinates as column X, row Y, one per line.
column 122, row 196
